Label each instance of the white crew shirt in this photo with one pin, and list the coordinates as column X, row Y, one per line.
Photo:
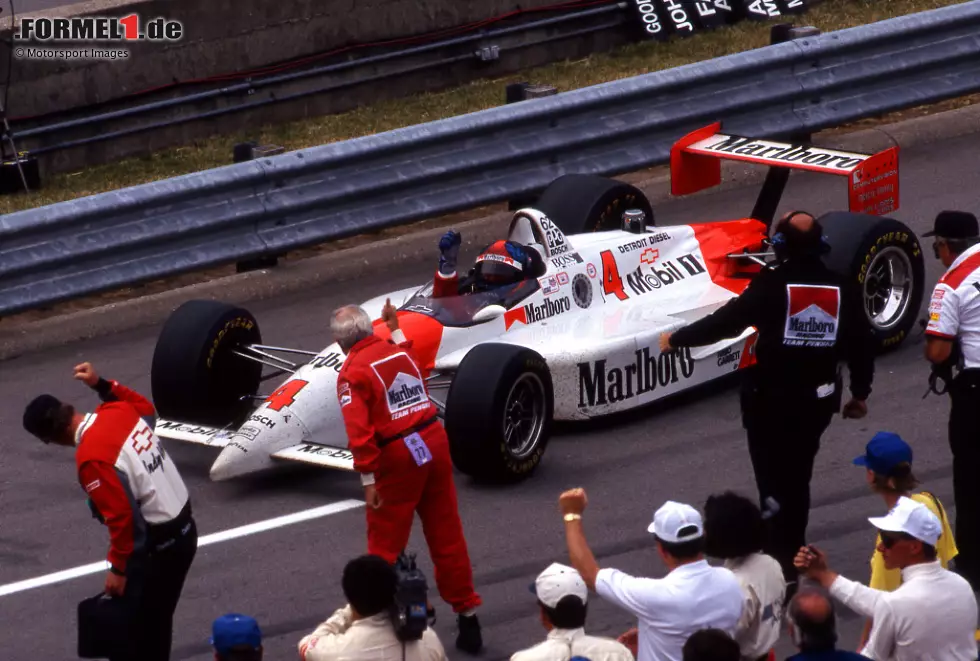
column 668, row 610
column 563, row 644
column 932, row 616
column 764, row 588
column 954, row 310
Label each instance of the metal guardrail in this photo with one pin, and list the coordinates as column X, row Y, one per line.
column 480, row 46
column 272, row 205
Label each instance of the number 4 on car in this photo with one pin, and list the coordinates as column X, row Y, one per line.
column 575, row 339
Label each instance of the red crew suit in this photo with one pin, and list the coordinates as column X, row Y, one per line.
column 385, row 408
column 134, row 488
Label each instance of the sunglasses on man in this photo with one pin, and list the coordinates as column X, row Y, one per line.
column 889, row 540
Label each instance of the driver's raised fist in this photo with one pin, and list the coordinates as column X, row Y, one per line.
column 449, row 251
column 450, row 240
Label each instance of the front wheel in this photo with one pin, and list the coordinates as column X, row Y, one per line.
column 499, row 412
column 882, row 257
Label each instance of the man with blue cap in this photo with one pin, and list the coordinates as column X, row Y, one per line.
column 236, row 637
column 888, row 460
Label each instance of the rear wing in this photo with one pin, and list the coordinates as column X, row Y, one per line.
column 695, row 164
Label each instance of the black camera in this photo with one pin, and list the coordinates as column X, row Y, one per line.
column 409, row 612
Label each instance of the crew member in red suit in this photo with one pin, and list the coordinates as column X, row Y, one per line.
column 500, row 263
column 133, row 488
column 401, row 450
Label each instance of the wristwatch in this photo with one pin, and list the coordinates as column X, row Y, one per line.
column 572, row 517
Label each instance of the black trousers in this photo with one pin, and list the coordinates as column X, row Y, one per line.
column 154, row 588
column 964, row 442
column 784, row 437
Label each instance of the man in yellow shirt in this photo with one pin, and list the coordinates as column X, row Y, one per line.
column 888, row 460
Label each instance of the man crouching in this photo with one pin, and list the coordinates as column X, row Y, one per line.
column 363, row 629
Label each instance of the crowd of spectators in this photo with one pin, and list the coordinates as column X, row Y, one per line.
column 734, row 609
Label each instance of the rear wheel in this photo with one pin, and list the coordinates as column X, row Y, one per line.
column 882, row 257
column 583, row 203
column 195, row 377
column 499, row 412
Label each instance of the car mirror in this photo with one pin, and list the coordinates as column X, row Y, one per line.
column 489, row 312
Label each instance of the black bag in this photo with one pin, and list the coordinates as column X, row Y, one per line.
column 104, row 627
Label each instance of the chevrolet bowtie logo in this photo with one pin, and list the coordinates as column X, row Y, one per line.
column 649, row 256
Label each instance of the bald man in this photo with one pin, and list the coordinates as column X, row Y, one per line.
column 808, row 319
column 813, row 627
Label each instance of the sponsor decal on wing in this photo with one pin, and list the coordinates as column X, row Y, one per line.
column 778, row 153
column 813, row 315
column 649, row 256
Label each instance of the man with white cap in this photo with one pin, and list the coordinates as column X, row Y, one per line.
column 563, row 599
column 692, row 596
column 932, row 615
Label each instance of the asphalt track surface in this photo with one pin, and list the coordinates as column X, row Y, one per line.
column 289, row 577
column 25, row 6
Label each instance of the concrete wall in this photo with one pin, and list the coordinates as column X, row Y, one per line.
column 224, row 36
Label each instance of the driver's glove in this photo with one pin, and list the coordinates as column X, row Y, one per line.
column 449, row 252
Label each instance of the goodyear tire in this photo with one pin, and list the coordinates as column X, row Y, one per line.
column 583, row 203
column 499, row 412
column 195, row 377
column 882, row 257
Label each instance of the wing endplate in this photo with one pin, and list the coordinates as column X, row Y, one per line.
column 695, row 164
column 318, row 454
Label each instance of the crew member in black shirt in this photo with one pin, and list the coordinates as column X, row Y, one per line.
column 808, row 319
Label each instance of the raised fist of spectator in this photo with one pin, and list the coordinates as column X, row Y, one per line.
column 573, row 501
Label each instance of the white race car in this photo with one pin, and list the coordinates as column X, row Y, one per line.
column 576, row 341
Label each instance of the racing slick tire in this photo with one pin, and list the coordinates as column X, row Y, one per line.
column 584, row 203
column 194, row 376
column 499, row 388
column 883, row 257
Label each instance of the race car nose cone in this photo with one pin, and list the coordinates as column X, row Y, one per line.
column 250, row 448
column 236, row 460
column 230, row 463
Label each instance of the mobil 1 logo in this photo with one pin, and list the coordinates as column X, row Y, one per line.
column 646, row 278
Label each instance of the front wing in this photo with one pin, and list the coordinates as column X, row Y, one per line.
column 305, row 452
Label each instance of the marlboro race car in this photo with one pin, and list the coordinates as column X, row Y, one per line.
column 576, row 340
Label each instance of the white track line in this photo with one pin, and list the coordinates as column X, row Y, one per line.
column 215, row 538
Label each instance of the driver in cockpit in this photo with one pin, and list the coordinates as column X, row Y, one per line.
column 499, row 264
